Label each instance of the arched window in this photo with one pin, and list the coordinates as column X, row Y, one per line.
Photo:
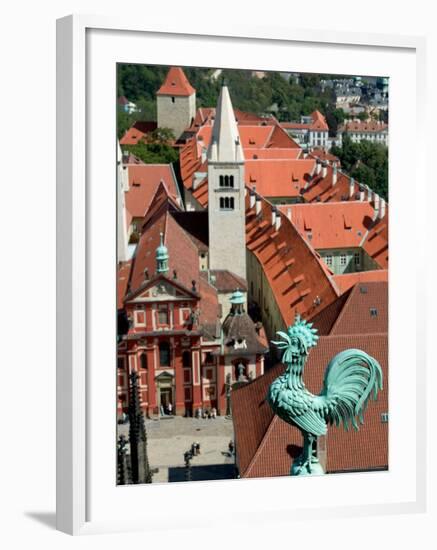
column 164, row 354
column 222, row 203
column 221, row 180
column 231, row 203
column 143, row 361
column 226, row 181
column 231, row 181
column 186, row 359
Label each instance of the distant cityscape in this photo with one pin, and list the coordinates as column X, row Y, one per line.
column 231, row 224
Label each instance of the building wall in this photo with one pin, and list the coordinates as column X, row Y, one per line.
column 347, row 260
column 176, row 112
column 261, row 293
column 227, row 231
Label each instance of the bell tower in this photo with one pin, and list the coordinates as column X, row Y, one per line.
column 226, row 207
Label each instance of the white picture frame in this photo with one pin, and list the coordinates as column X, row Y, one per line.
column 79, row 38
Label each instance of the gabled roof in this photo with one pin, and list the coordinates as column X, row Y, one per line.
column 318, row 123
column 266, row 445
column 176, row 84
column 299, row 279
column 376, row 244
column 183, row 258
column 144, row 180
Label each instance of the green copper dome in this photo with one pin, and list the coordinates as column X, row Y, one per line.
column 237, row 297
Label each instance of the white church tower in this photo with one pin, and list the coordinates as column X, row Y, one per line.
column 122, row 187
column 226, row 208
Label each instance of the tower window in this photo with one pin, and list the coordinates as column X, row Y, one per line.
column 226, row 203
column 226, row 181
column 172, row 99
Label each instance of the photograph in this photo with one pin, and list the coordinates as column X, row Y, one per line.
column 252, row 274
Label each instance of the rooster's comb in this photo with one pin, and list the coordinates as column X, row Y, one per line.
column 304, row 331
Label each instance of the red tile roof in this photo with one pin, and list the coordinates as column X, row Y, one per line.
column 144, row 180
column 347, row 280
column 333, row 224
column 363, row 126
column 122, row 281
column 176, row 84
column 318, row 123
column 322, row 154
column 137, row 132
column 183, row 258
column 266, row 446
column 278, row 177
column 351, row 313
column 300, row 281
column 376, row 244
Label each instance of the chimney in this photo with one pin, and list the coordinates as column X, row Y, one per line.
column 334, row 175
column 324, row 169
column 382, row 209
column 318, row 166
column 257, row 204
column 351, row 187
column 273, row 215
column 252, row 199
column 278, row 220
column 376, row 206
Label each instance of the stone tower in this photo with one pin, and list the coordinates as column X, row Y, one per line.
column 226, row 208
column 176, row 101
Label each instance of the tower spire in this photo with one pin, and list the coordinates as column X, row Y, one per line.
column 225, row 142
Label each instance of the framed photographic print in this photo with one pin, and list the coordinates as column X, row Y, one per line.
column 228, row 322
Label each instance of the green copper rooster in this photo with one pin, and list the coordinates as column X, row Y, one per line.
column 351, row 379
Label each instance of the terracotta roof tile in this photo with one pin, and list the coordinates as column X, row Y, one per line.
column 333, row 224
column 346, row 281
column 176, row 84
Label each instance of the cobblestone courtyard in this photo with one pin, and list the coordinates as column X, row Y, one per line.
column 169, row 437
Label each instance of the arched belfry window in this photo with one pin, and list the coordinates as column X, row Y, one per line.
column 143, row 361
column 221, row 181
column 231, row 181
column 227, row 203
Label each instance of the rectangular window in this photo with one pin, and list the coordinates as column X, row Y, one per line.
column 120, row 362
column 187, row 376
column 343, row 259
column 163, row 315
column 329, row 260
column 357, row 259
column 140, row 318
